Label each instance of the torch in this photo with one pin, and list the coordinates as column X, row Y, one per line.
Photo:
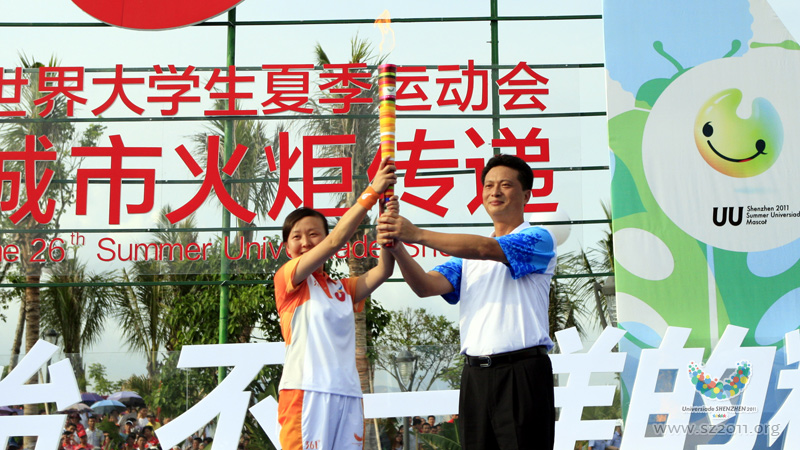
column 387, row 79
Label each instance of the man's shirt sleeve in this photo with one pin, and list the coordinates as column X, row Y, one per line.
column 529, row 251
column 452, row 271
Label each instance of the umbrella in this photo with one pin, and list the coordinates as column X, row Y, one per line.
column 128, row 398
column 77, row 407
column 7, row 411
column 106, row 406
column 90, row 397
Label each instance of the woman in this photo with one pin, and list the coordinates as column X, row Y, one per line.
column 320, row 406
column 398, row 441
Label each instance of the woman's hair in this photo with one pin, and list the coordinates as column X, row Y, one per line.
column 298, row 215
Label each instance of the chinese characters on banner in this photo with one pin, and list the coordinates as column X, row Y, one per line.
column 678, row 415
column 288, row 90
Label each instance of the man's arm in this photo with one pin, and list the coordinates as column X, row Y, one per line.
column 468, row 246
column 424, row 284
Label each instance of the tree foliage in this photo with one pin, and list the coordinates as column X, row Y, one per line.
column 100, row 384
column 78, row 312
column 432, row 339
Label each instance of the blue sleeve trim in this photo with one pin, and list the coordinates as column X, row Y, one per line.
column 529, row 251
column 452, row 271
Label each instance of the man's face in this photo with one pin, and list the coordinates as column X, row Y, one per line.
column 91, row 422
column 503, row 195
column 141, row 442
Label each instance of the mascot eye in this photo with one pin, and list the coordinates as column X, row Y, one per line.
column 708, row 130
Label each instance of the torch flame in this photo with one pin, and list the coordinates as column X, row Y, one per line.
column 383, row 23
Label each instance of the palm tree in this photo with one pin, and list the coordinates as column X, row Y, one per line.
column 598, row 259
column 12, row 138
column 78, row 313
column 141, row 309
column 367, row 133
column 566, row 306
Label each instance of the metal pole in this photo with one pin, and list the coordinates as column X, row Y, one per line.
column 495, row 74
column 224, row 289
column 406, row 433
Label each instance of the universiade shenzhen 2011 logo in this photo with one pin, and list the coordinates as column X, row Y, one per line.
column 713, row 388
column 154, row 14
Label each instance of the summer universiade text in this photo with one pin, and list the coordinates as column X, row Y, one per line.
column 110, row 250
column 54, row 250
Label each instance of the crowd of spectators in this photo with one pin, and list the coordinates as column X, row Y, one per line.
column 419, row 426
column 136, row 429
column 86, row 430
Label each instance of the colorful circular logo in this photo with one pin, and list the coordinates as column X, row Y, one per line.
column 715, row 389
column 154, row 14
column 735, row 146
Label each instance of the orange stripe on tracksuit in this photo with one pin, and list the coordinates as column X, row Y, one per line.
column 290, row 416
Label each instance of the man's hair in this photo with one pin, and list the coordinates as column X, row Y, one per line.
column 298, row 215
column 417, row 421
column 198, row 439
column 524, row 172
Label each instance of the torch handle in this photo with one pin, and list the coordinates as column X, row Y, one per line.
column 387, row 83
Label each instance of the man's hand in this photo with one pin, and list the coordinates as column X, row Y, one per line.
column 393, row 226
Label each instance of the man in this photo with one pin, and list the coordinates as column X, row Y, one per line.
column 502, row 283
column 616, row 440
column 597, row 445
column 128, row 428
column 149, row 434
column 93, row 435
column 83, row 443
column 141, row 418
column 152, row 421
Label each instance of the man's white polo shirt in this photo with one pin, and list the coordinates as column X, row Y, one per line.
column 504, row 307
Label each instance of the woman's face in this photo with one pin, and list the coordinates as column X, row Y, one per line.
column 305, row 235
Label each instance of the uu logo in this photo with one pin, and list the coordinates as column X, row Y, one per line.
column 726, row 389
column 727, row 216
column 735, row 146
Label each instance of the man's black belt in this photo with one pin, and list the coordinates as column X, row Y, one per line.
column 505, row 358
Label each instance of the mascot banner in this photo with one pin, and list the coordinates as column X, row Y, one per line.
column 704, row 131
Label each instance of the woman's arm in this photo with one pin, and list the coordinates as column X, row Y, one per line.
column 347, row 225
column 374, row 277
